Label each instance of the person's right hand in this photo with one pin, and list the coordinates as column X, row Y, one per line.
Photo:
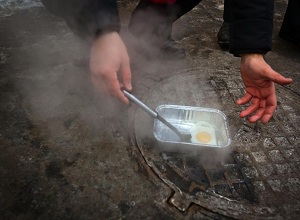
column 108, row 58
column 259, row 79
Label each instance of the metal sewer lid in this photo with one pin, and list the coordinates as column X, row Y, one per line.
column 257, row 176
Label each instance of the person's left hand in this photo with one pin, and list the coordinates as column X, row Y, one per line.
column 259, row 79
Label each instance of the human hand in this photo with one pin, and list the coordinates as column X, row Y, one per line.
column 108, row 58
column 259, row 79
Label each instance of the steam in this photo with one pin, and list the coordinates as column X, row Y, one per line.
column 60, row 92
column 49, row 71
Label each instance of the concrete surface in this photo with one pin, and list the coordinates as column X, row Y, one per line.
column 70, row 153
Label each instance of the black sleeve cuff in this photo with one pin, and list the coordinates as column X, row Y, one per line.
column 252, row 36
column 92, row 18
column 251, row 26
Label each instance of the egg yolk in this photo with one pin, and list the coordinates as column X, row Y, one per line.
column 203, row 137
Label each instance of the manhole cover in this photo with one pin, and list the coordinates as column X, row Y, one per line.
column 258, row 176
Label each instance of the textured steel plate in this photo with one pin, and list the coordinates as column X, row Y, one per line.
column 257, row 176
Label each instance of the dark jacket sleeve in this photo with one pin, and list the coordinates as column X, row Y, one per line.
column 87, row 18
column 251, row 26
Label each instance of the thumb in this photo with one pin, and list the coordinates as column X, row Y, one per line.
column 278, row 78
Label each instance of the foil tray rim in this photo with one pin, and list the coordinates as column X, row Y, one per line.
column 188, row 144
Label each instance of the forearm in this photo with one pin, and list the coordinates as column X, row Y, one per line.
column 251, row 26
column 87, row 18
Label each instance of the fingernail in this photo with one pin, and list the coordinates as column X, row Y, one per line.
column 129, row 87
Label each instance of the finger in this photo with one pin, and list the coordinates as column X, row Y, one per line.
column 260, row 112
column 252, row 108
column 268, row 113
column 108, row 83
column 120, row 96
column 126, row 72
column 258, row 115
column 114, row 89
column 245, row 99
column 266, row 118
column 277, row 77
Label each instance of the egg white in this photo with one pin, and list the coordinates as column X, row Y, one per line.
column 203, row 126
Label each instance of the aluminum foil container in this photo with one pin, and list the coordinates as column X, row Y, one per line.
column 185, row 118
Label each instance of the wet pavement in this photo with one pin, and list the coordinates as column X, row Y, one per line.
column 69, row 153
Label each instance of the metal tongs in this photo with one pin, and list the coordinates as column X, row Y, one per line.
column 154, row 114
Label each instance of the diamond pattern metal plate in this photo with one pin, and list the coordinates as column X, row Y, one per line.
column 258, row 175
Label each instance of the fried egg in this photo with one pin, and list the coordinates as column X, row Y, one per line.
column 203, row 133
